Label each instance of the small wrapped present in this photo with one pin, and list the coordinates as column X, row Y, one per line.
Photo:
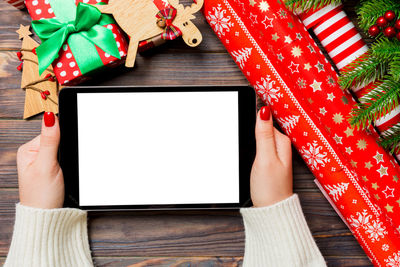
column 77, row 40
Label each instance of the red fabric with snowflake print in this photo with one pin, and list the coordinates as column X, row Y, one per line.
column 65, row 66
column 289, row 72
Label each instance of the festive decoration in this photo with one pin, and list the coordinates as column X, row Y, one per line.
column 361, row 69
column 290, row 73
column 17, row 3
column 76, row 40
column 138, row 18
column 41, row 91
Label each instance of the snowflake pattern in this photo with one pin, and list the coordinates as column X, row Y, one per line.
column 267, row 91
column 361, row 219
column 394, row 260
column 314, row 156
column 219, row 21
column 375, row 230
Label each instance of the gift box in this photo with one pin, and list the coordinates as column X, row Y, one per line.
column 17, row 3
column 289, row 72
column 76, row 39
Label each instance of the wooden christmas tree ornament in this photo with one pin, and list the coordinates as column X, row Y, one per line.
column 142, row 20
column 41, row 92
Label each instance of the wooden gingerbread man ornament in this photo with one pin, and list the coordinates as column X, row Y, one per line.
column 142, row 20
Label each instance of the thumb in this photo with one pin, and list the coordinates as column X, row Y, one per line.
column 265, row 134
column 49, row 138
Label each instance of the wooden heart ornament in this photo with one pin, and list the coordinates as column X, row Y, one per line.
column 141, row 20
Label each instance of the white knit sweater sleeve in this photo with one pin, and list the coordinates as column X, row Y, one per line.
column 49, row 238
column 278, row 235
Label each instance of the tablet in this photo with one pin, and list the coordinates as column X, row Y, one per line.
column 157, row 148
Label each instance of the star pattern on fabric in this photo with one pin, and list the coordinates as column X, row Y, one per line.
column 307, row 66
column 319, row 66
column 296, row 51
column 301, row 83
column 377, row 196
column 338, row 118
column 349, row 150
column 316, row 86
column 375, row 186
column 361, row 144
column 353, row 163
column 389, row 208
column 388, row 192
column 322, row 111
column 282, row 13
column 382, row 171
column 275, row 36
column 312, row 50
column 368, row 165
column 288, row 39
column 263, row 6
column 338, row 139
column 365, row 179
column 349, row 132
column 294, row 67
column 252, row 2
column 267, row 22
column 395, row 178
column 280, row 57
column 298, row 36
column 331, row 96
column 378, row 157
column 253, row 18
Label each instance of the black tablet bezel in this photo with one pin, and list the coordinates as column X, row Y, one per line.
column 68, row 154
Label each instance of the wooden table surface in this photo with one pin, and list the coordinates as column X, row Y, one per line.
column 189, row 238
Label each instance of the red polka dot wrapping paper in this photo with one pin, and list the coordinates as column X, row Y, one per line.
column 65, row 66
column 289, row 72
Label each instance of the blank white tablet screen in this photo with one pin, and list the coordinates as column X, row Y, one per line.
column 158, row 148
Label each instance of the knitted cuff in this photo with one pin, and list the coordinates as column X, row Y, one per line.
column 49, row 237
column 278, row 235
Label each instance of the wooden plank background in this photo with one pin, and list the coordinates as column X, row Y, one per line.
column 189, row 238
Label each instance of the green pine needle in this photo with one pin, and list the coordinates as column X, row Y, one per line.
column 362, row 71
column 306, row 5
column 376, row 103
column 391, row 138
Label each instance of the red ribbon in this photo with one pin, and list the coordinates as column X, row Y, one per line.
column 170, row 31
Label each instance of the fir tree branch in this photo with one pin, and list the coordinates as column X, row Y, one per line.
column 385, row 49
column 376, row 103
column 370, row 10
column 306, row 5
column 394, row 68
column 362, row 71
column 391, row 139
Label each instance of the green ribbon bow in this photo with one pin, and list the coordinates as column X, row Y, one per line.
column 81, row 27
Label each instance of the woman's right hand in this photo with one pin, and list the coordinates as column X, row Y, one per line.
column 271, row 178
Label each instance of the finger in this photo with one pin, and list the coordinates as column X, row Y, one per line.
column 27, row 152
column 49, row 138
column 283, row 148
column 265, row 140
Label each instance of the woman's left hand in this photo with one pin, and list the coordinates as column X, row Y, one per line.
column 40, row 178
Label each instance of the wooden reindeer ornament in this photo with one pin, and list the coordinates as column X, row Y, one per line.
column 41, row 92
column 142, row 20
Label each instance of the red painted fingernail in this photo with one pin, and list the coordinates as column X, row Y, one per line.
column 49, row 119
column 265, row 113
